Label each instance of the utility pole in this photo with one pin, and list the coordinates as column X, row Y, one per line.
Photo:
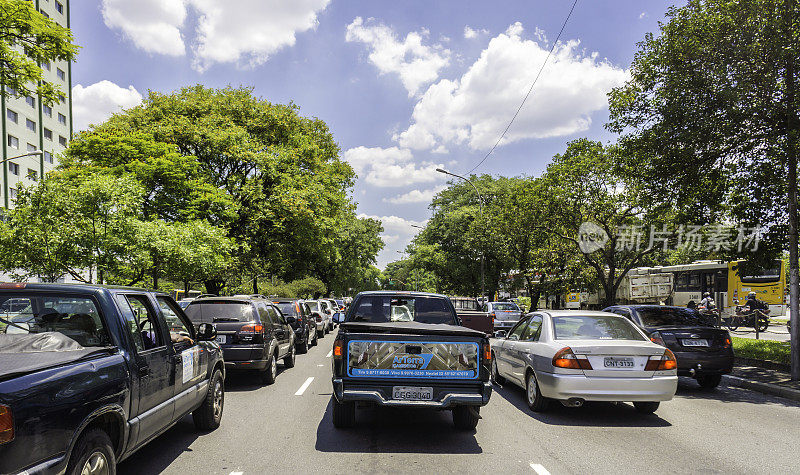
column 791, row 152
column 483, row 224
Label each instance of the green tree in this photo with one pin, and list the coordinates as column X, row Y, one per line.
column 27, row 40
column 711, row 116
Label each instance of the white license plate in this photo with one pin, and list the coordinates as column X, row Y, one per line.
column 695, row 342
column 222, row 339
column 618, row 362
column 412, row 393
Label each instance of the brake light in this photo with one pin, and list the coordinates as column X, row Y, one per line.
column 727, row 343
column 12, row 285
column 251, row 329
column 656, row 338
column 565, row 358
column 338, row 349
column 6, row 424
column 664, row 362
column 319, row 318
column 487, row 352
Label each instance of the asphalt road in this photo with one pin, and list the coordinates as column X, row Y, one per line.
column 286, row 428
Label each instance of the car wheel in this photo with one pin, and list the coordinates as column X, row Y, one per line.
column 709, row 381
column 466, row 417
column 288, row 360
column 302, row 347
column 646, row 407
column 344, row 413
column 320, row 333
column 316, row 336
column 496, row 372
column 93, row 454
column 209, row 414
column 533, row 396
column 271, row 371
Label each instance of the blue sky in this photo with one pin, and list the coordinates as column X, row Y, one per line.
column 404, row 86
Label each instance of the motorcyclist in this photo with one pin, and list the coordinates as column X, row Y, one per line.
column 708, row 302
column 753, row 304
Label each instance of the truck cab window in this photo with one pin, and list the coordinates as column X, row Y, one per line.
column 146, row 321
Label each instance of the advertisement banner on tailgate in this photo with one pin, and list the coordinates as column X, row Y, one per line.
column 397, row 359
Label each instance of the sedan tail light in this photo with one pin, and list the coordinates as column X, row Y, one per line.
column 250, row 331
column 664, row 362
column 6, row 424
column 565, row 358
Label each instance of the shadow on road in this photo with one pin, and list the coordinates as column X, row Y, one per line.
column 688, row 388
column 592, row 414
column 240, row 381
column 159, row 453
column 396, row 430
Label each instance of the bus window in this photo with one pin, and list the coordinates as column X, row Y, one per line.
column 694, row 282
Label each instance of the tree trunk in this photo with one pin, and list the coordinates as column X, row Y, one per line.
column 792, row 127
column 154, row 274
column 213, row 287
column 255, row 284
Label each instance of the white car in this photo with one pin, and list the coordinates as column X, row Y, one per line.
column 575, row 356
column 324, row 319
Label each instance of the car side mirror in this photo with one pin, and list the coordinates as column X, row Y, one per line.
column 338, row 317
column 500, row 334
column 206, row 332
column 290, row 320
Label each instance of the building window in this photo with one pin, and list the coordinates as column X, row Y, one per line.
column 62, row 119
column 12, row 116
column 62, row 140
column 48, row 110
column 61, row 74
column 13, row 92
column 31, row 125
column 13, row 142
column 46, row 65
column 13, row 168
column 59, row 8
column 48, row 157
column 31, row 147
column 48, row 134
column 62, row 98
column 31, row 101
column 44, row 13
column 32, row 175
column 12, row 192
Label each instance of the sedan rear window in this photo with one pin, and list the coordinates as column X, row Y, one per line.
column 288, row 309
column 219, row 311
column 662, row 317
column 595, row 328
column 505, row 306
column 385, row 308
column 72, row 321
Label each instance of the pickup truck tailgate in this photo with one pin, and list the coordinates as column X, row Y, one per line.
column 372, row 358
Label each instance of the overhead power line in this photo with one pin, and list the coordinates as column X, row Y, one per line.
column 529, row 90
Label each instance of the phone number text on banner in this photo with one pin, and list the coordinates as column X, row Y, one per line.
column 413, row 373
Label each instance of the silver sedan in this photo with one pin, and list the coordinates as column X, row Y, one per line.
column 575, row 356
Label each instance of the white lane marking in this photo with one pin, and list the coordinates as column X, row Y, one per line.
column 320, row 365
column 237, row 473
column 304, row 387
column 329, row 354
column 539, row 469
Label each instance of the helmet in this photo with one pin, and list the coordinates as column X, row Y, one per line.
column 751, row 294
column 707, row 294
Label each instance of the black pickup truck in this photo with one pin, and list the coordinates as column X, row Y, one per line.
column 89, row 374
column 406, row 349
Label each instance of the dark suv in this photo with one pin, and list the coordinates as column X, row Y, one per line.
column 252, row 332
column 301, row 321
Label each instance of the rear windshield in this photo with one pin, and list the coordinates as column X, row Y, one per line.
column 505, row 306
column 288, row 309
column 75, row 321
column 465, row 304
column 386, row 308
column 595, row 328
column 314, row 306
column 221, row 311
column 661, row 317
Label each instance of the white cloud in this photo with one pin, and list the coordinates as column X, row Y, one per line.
column 247, row 32
column 415, row 196
column 475, row 108
column 95, row 103
column 416, row 64
column 470, row 33
column 397, row 234
column 152, row 25
column 643, row 15
column 390, row 167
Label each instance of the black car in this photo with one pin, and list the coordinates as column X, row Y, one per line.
column 703, row 352
column 252, row 332
column 301, row 321
column 94, row 373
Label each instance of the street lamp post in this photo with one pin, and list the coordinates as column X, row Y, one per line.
column 483, row 223
column 35, row 152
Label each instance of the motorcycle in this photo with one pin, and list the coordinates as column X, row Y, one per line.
column 709, row 315
column 757, row 319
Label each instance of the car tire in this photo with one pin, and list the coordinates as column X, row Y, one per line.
column 269, row 373
column 533, row 396
column 316, row 336
column 496, row 373
column 209, row 415
column 302, row 348
column 93, row 450
column 343, row 413
column 709, row 381
column 320, row 334
column 288, row 360
column 466, row 417
column 646, row 407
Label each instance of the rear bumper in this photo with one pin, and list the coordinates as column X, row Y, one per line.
column 245, row 357
column 565, row 386
column 504, row 324
column 704, row 363
column 443, row 396
column 250, row 364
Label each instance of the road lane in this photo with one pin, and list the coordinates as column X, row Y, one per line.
column 269, row 429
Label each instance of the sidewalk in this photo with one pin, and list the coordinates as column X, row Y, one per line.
column 776, row 383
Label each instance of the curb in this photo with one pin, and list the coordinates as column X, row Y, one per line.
column 766, row 388
column 765, row 364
